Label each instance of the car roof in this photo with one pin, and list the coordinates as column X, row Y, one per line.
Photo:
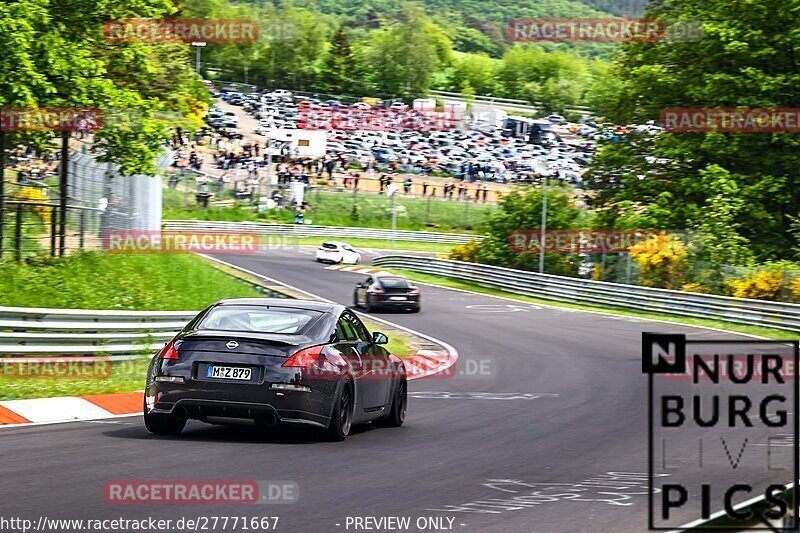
column 310, row 305
column 382, row 275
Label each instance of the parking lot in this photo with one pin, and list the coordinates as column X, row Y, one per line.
column 468, row 148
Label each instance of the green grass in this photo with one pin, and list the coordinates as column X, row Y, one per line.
column 126, row 376
column 92, row 280
column 336, row 209
column 716, row 324
column 372, row 243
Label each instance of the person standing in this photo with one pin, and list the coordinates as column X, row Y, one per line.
column 356, row 178
column 424, row 188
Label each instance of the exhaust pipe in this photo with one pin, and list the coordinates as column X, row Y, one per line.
column 269, row 420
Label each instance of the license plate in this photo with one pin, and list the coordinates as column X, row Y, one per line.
column 397, row 297
column 229, row 372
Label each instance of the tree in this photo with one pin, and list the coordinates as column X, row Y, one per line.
column 59, row 57
column 719, row 222
column 403, row 57
column 523, row 211
column 338, row 73
column 746, row 58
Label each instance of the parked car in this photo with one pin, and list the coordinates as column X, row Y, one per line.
column 556, row 119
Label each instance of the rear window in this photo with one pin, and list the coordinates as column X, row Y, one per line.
column 330, row 246
column 282, row 320
column 395, row 283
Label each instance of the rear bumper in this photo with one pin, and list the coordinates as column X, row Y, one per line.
column 201, row 409
column 199, row 400
column 384, row 301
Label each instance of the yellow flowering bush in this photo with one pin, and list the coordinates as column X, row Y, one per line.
column 763, row 285
column 662, row 261
column 466, row 252
column 694, row 287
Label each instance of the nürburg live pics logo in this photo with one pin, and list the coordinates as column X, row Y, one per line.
column 722, row 432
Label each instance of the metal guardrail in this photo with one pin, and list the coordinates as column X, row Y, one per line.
column 28, row 331
column 32, row 331
column 576, row 290
column 506, row 103
column 303, row 230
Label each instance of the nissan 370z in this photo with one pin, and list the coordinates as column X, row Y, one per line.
column 276, row 362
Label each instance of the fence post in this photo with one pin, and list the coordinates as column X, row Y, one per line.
column 62, row 187
column 18, row 235
column 2, row 187
column 81, row 226
column 53, row 230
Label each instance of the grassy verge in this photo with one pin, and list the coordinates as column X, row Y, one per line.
column 362, row 243
column 125, row 376
column 343, row 209
column 717, row 324
column 108, row 281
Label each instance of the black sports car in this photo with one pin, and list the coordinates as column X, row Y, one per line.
column 387, row 291
column 275, row 361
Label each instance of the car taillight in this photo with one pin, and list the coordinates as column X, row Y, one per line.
column 305, row 357
column 169, row 351
column 415, row 292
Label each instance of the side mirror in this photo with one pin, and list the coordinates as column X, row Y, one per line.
column 379, row 338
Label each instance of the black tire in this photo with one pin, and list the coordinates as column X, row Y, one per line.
column 416, row 309
column 158, row 424
column 368, row 305
column 397, row 412
column 342, row 418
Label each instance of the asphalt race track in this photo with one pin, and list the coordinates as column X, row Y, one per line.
column 543, row 399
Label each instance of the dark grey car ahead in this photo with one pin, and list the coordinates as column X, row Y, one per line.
column 275, row 361
column 386, row 291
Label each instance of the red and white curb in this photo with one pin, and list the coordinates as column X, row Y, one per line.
column 69, row 408
column 357, row 269
column 426, row 363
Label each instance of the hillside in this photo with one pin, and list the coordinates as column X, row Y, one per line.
column 474, row 25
